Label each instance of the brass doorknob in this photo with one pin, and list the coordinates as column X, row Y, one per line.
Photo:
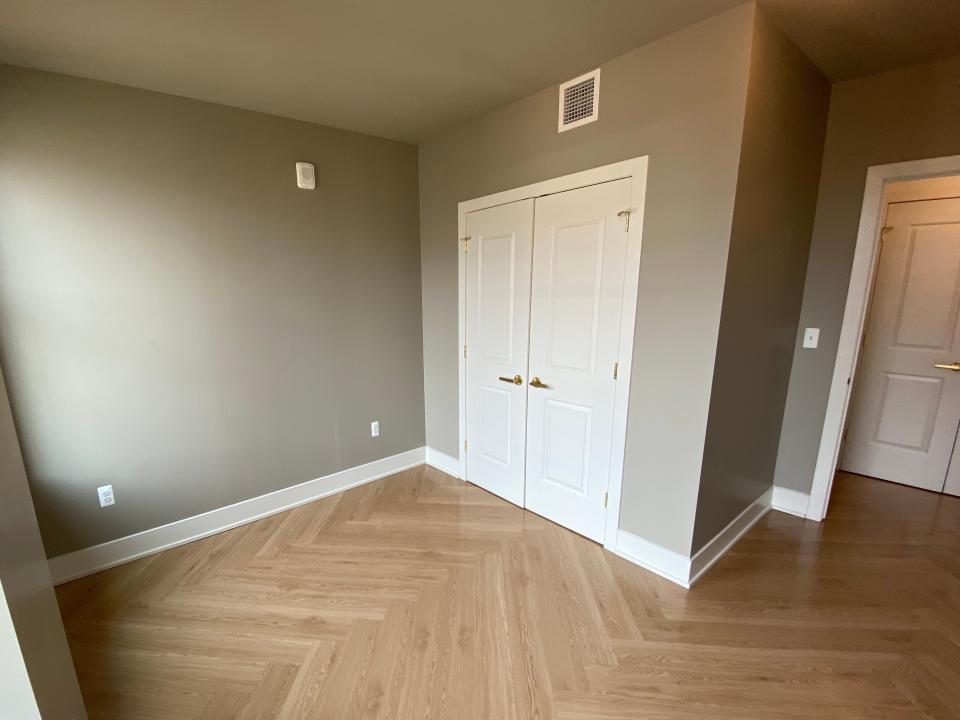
column 955, row 366
column 516, row 379
column 537, row 383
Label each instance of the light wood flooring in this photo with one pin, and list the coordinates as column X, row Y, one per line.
column 419, row 596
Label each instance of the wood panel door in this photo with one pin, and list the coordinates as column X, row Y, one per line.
column 579, row 253
column 497, row 324
column 906, row 409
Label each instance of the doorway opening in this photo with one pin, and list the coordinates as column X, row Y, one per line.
column 894, row 406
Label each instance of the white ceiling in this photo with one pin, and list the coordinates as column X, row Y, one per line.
column 408, row 69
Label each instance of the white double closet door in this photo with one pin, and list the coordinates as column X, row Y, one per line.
column 544, row 284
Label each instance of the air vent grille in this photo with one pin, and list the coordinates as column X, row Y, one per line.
column 579, row 101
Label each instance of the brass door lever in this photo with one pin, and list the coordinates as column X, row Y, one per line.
column 516, row 379
column 949, row 366
column 536, row 382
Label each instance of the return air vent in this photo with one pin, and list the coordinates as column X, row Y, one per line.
column 579, row 101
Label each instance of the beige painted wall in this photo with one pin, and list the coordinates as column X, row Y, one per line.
column 783, row 136
column 679, row 100
column 907, row 114
column 30, row 616
column 179, row 320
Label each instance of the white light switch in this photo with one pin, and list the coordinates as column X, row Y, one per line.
column 375, row 428
column 105, row 493
column 811, row 336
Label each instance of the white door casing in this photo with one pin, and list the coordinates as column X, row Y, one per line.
column 579, row 252
column 497, row 283
column 905, row 412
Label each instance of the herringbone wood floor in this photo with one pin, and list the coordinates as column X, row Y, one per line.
column 421, row 597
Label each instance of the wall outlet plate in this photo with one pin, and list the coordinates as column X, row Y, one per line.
column 105, row 493
column 375, row 428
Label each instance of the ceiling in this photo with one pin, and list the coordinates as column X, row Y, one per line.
column 851, row 38
column 408, row 69
column 403, row 69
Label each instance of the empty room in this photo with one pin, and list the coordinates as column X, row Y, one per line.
column 544, row 360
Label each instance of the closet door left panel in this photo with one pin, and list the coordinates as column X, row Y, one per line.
column 497, row 327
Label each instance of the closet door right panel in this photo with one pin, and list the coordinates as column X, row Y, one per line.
column 577, row 290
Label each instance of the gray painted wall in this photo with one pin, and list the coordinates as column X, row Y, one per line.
column 31, row 617
column 907, row 114
column 179, row 320
column 783, row 137
column 691, row 130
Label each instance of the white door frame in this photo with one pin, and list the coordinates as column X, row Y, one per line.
column 855, row 314
column 636, row 169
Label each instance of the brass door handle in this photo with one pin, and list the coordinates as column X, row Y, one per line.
column 516, row 379
column 538, row 384
column 955, row 366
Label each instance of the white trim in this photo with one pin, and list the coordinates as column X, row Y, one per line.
column 636, row 169
column 594, row 113
column 443, row 462
column 709, row 554
column 790, row 501
column 666, row 563
column 115, row 552
column 854, row 316
column 680, row 569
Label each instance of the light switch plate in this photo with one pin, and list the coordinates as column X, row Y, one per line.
column 105, row 493
column 375, row 428
column 811, row 337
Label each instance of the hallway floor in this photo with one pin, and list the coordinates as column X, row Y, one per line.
column 419, row 596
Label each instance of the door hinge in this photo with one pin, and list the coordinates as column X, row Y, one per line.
column 464, row 445
column 466, row 242
column 464, row 350
column 616, row 368
column 606, row 496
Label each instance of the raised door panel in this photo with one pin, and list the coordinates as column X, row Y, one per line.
column 566, row 445
column 496, row 275
column 576, row 255
column 928, row 301
column 908, row 410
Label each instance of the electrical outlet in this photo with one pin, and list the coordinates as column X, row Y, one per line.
column 375, row 428
column 811, row 337
column 105, row 493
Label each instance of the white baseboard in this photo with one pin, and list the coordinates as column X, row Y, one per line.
column 707, row 556
column 441, row 461
column 678, row 568
column 666, row 563
column 790, row 501
column 115, row 552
